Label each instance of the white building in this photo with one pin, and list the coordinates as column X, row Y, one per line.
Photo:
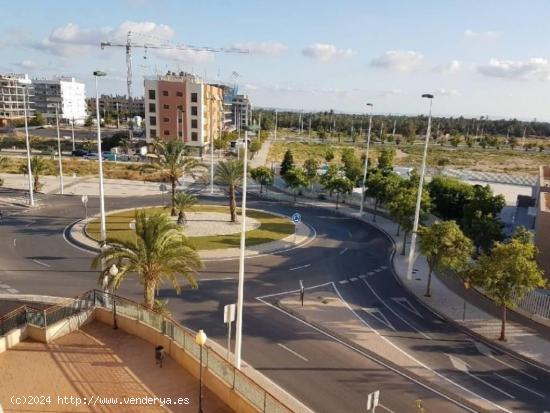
column 12, row 95
column 65, row 93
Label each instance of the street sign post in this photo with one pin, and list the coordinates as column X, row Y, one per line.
column 85, row 203
column 162, row 188
column 373, row 400
column 228, row 318
column 302, row 292
column 296, row 219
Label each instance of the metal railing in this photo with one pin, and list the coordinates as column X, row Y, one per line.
column 13, row 319
column 535, row 303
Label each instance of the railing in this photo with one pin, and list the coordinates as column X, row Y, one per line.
column 535, row 303
column 13, row 319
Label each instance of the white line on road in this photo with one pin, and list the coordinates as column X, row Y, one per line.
column 343, row 251
column 385, row 408
column 292, row 351
column 14, row 240
column 217, row 279
column 519, row 385
column 490, row 385
column 362, row 276
column 4, row 286
column 353, row 279
column 300, row 267
column 293, row 291
column 343, row 281
column 370, row 273
column 13, row 291
column 42, row 263
column 486, row 351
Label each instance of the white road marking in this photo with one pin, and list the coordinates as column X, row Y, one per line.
column 377, row 270
column 218, row 279
column 13, row 291
column 362, row 276
column 406, row 304
column 395, row 313
column 343, row 251
column 380, row 362
column 370, row 273
column 4, row 286
column 343, row 281
column 14, row 240
column 486, row 351
column 384, row 267
column 520, row 386
column 293, row 291
column 385, row 408
column 42, row 263
column 353, row 279
column 300, row 267
column 378, row 315
column 293, row 352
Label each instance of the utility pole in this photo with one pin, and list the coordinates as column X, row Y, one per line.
column 275, row 135
column 117, row 117
column 393, row 132
column 25, row 82
column 366, row 161
column 59, row 150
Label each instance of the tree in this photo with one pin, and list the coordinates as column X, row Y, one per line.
column 183, row 201
column 385, row 161
column 352, row 166
column 507, row 273
column 449, row 195
column 329, row 155
column 39, row 165
column 173, row 164
column 287, row 164
column 296, row 179
column 255, row 146
column 38, row 120
column 445, row 247
column 340, row 185
column 311, row 166
column 263, row 175
column 159, row 252
column 382, row 188
column 89, row 121
column 230, row 174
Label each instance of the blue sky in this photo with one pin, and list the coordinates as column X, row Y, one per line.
column 478, row 57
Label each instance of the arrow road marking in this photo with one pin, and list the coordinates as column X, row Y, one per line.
column 406, row 304
column 293, row 352
column 462, row 366
column 486, row 351
column 378, row 315
column 520, row 386
column 343, row 251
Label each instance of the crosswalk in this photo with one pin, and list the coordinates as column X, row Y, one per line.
column 363, row 276
column 6, row 289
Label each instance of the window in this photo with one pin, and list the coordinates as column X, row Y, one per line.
column 179, row 120
column 179, row 94
column 166, row 132
column 152, row 107
column 166, row 106
column 180, row 133
column 153, row 133
column 152, row 94
column 166, row 119
column 152, row 120
column 194, row 136
column 194, row 97
column 180, row 107
column 194, row 123
column 194, row 111
column 164, row 93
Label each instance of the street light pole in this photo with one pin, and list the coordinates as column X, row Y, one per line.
column 59, row 150
column 103, row 230
column 240, row 290
column 212, row 100
column 419, row 194
column 366, row 161
column 113, row 271
column 26, row 82
column 275, row 137
column 200, row 339
column 72, row 132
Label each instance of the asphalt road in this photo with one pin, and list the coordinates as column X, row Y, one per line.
column 327, row 375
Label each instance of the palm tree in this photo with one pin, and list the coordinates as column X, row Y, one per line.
column 230, row 173
column 173, row 164
column 159, row 252
column 183, row 201
column 38, row 167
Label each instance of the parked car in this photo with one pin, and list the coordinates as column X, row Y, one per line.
column 92, row 156
column 79, row 153
column 108, row 156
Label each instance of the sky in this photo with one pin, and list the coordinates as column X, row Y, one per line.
column 478, row 57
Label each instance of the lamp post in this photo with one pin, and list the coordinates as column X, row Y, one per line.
column 366, row 160
column 102, row 230
column 200, row 339
column 25, row 82
column 240, row 289
column 275, row 137
column 419, row 194
column 113, row 271
column 59, row 149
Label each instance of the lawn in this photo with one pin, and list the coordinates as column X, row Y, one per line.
column 272, row 228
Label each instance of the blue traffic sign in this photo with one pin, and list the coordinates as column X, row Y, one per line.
column 296, row 218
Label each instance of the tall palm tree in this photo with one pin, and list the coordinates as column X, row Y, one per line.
column 159, row 252
column 183, row 201
column 230, row 173
column 39, row 165
column 173, row 164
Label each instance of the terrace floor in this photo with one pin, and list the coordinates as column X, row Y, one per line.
column 97, row 362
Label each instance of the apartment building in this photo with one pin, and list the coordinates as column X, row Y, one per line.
column 63, row 93
column 242, row 111
column 117, row 104
column 182, row 106
column 12, row 100
column 541, row 193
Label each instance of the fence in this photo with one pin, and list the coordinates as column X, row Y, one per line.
column 536, row 303
column 12, row 320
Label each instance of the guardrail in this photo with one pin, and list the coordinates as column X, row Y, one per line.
column 535, row 303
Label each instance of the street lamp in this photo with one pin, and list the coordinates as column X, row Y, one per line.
column 113, row 271
column 103, row 230
column 200, row 339
column 419, row 194
column 59, row 149
column 25, row 82
column 366, row 161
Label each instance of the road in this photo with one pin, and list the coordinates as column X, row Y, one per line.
column 328, row 375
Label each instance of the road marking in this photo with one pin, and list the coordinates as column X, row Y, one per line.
column 343, row 281
column 293, row 352
column 406, row 304
column 385, row 408
column 42, row 263
column 377, row 270
column 395, row 313
column 486, row 351
column 343, row 251
column 519, row 385
column 4, row 286
column 293, row 291
column 362, row 276
column 381, row 362
column 300, row 267
column 378, row 315
column 12, row 291
column 218, row 279
column 384, row 267
column 14, row 240
column 370, row 273
column 353, row 279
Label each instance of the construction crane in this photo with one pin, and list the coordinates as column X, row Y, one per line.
column 129, row 45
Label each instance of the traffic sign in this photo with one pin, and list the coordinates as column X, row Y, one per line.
column 296, row 218
column 84, row 199
column 229, row 313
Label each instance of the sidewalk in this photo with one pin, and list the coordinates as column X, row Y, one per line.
column 522, row 339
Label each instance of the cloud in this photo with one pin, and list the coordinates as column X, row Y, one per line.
column 447, row 92
column 534, row 68
column 26, row 64
column 399, row 60
column 454, row 66
column 391, row 92
column 263, row 48
column 488, row 34
column 325, row 52
column 186, row 56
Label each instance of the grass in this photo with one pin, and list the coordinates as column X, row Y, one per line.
column 272, row 228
